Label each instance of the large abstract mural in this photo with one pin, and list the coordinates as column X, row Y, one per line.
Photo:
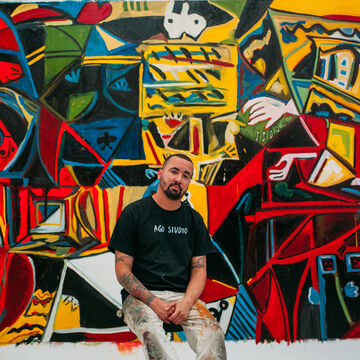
column 264, row 96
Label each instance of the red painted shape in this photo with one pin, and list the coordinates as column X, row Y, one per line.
column 9, row 71
column 8, row 147
column 196, row 141
column 93, row 13
column 353, row 333
column 191, row 60
column 114, row 337
column 8, row 40
column 274, row 316
column 300, row 243
column 173, row 122
column 81, row 141
column 49, row 129
column 65, row 178
column 158, row 162
column 342, row 17
column 222, row 198
column 16, row 287
column 214, row 291
column 261, row 291
column 38, row 14
column 317, row 127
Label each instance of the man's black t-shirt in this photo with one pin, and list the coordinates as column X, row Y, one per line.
column 161, row 242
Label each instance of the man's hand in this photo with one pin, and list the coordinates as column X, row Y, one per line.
column 181, row 311
column 163, row 309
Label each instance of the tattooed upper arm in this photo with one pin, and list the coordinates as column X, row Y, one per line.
column 123, row 259
column 198, row 262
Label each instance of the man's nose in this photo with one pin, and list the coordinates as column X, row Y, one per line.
column 178, row 178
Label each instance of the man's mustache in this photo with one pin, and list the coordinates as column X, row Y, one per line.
column 176, row 184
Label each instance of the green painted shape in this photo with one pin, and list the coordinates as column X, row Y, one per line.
column 61, row 42
column 236, row 7
column 258, row 132
column 302, row 91
column 70, row 37
column 55, row 66
column 78, row 103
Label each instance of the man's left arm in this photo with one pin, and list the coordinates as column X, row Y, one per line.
column 193, row 291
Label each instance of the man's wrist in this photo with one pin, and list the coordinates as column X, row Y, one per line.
column 188, row 301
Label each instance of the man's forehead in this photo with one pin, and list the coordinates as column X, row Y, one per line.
column 177, row 162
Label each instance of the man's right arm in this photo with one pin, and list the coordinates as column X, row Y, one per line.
column 123, row 270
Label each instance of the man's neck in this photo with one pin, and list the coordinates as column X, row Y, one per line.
column 165, row 203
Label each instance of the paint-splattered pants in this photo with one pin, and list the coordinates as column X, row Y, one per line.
column 203, row 332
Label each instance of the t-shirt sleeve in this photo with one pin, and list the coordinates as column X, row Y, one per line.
column 203, row 243
column 123, row 238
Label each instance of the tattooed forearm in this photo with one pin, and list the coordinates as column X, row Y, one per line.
column 130, row 282
column 198, row 262
column 123, row 269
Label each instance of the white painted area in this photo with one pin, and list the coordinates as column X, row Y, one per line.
column 99, row 272
column 242, row 350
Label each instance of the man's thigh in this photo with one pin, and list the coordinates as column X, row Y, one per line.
column 204, row 333
column 138, row 316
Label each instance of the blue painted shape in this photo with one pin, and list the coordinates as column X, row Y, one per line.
column 313, row 296
column 25, row 84
column 352, row 191
column 96, row 46
column 131, row 145
column 351, row 290
column 72, row 8
column 348, row 258
column 243, row 321
column 226, row 260
column 287, row 37
column 322, row 305
column 110, row 180
column 150, row 173
column 114, row 137
column 73, row 76
column 182, row 336
column 48, row 210
column 152, row 188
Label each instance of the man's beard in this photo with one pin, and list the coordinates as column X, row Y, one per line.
column 173, row 195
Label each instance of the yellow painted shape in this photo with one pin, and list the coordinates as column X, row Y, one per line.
column 260, row 65
column 149, row 152
column 36, row 315
column 146, row 8
column 278, row 84
column 337, row 98
column 113, row 196
column 198, row 199
column 133, row 193
column 341, row 139
column 232, row 300
column 179, row 79
column 68, row 313
column 253, row 28
column 333, row 173
column 315, row 99
column 110, row 42
column 318, row 7
column 23, row 8
column 3, row 217
column 216, row 34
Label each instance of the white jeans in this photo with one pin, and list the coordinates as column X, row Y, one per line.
column 203, row 332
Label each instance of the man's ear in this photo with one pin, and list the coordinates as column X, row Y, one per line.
column 159, row 173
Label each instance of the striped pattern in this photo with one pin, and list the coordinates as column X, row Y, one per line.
column 243, row 322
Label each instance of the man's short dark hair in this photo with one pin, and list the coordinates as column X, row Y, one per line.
column 181, row 156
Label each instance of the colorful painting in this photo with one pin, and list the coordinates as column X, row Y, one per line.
column 264, row 96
